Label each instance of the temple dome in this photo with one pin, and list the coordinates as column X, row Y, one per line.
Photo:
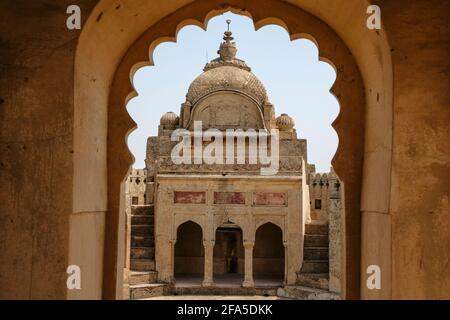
column 228, row 78
column 227, row 73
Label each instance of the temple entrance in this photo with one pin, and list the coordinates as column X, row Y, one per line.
column 229, row 255
column 189, row 254
column 268, row 256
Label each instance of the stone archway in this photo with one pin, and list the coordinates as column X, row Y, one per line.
column 268, row 255
column 102, row 87
column 189, row 253
column 228, row 257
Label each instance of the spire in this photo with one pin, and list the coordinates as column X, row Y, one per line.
column 227, row 50
column 227, row 53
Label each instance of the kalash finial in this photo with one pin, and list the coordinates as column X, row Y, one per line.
column 227, row 49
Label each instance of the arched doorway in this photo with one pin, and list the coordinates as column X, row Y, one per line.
column 102, row 87
column 229, row 255
column 189, row 254
column 268, row 256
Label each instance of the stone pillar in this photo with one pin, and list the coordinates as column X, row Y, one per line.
column 286, row 263
column 334, row 231
column 209, row 258
column 248, row 279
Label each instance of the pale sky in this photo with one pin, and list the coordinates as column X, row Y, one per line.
column 297, row 83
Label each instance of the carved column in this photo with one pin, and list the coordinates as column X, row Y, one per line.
column 209, row 258
column 248, row 279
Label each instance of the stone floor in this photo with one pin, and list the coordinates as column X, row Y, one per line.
column 227, row 281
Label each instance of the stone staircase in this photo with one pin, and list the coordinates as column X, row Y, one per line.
column 142, row 279
column 315, row 269
column 142, row 252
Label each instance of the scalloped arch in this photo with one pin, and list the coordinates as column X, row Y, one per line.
column 110, row 49
column 275, row 223
column 187, row 220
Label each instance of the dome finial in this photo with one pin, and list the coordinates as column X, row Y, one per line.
column 227, row 50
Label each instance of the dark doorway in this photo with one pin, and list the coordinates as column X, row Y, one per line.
column 229, row 255
column 189, row 254
column 268, row 255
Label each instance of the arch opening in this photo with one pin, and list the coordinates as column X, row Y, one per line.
column 189, row 254
column 228, row 257
column 268, row 256
column 99, row 146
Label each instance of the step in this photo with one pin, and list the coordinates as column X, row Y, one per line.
column 224, row 291
column 143, row 210
column 316, row 229
column 305, row 293
column 313, row 280
column 141, row 230
column 142, row 241
column 142, row 252
column 149, row 290
column 315, row 266
column 142, row 265
column 142, row 220
column 142, row 277
column 315, row 253
column 314, row 240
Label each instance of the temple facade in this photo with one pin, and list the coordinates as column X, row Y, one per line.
column 227, row 191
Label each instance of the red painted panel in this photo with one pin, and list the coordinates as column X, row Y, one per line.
column 269, row 198
column 229, row 198
column 189, row 197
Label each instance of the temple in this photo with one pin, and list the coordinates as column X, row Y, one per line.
column 207, row 224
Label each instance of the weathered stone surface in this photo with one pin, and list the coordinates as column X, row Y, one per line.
column 228, row 291
column 315, row 266
column 313, row 253
column 316, row 240
column 270, row 198
column 142, row 265
column 141, row 230
column 313, row 280
column 335, row 241
column 142, row 277
column 229, row 198
column 304, row 293
column 142, row 291
column 140, row 241
column 142, row 253
column 142, row 220
column 318, row 229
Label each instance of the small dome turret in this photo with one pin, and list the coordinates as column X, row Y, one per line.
column 285, row 123
column 169, row 120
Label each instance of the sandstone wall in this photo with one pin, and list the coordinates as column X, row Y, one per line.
column 36, row 135
column 36, row 160
column 419, row 34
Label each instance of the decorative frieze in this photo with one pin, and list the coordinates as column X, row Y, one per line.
column 189, row 197
column 229, row 198
column 269, row 198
